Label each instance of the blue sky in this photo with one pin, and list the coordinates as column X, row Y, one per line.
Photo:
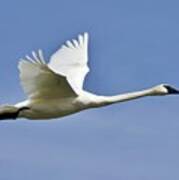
column 133, row 45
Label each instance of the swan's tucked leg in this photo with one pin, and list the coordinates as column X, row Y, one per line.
column 9, row 112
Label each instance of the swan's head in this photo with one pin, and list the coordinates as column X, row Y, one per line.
column 165, row 89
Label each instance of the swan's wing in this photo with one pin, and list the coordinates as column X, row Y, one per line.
column 71, row 61
column 39, row 81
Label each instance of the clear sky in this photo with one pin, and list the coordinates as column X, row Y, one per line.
column 133, row 45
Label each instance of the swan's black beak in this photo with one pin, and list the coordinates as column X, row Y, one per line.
column 171, row 90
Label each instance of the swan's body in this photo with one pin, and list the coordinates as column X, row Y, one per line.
column 56, row 89
column 41, row 109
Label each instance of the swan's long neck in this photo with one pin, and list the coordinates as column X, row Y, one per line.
column 107, row 100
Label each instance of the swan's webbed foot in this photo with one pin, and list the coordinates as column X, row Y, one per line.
column 10, row 112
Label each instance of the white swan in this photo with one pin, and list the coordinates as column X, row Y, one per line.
column 56, row 89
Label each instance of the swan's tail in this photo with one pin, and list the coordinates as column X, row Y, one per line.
column 9, row 112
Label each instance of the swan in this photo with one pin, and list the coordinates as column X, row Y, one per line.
column 56, row 89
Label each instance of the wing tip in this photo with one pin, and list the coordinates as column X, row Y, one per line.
column 36, row 58
column 86, row 35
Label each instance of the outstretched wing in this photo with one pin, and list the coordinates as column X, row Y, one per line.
column 39, row 81
column 71, row 61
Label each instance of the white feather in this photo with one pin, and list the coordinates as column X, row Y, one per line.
column 56, row 89
column 71, row 62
